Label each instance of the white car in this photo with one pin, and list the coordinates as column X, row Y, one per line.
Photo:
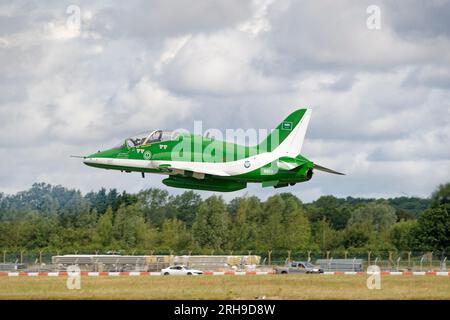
column 180, row 270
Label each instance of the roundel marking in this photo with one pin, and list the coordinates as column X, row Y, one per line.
column 147, row 155
column 247, row 164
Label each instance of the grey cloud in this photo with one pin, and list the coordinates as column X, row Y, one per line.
column 430, row 76
column 379, row 98
column 327, row 35
column 342, row 83
column 417, row 18
column 432, row 146
column 11, row 25
column 155, row 20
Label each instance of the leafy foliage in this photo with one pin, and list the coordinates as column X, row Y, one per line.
column 441, row 195
column 433, row 229
column 60, row 219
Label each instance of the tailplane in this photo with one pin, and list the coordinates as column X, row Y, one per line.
column 320, row 168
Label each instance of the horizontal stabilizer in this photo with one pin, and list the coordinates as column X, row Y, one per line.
column 317, row 167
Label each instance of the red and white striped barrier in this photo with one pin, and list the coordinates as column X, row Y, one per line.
column 214, row 273
column 392, row 273
column 131, row 274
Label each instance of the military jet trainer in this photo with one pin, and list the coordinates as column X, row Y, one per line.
column 198, row 162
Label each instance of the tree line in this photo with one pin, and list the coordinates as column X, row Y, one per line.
column 54, row 218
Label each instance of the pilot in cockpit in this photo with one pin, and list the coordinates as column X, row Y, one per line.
column 156, row 136
column 144, row 139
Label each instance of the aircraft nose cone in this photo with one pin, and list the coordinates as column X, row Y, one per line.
column 88, row 160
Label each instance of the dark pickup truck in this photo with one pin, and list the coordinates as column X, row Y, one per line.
column 298, row 267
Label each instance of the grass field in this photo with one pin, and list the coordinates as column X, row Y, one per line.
column 227, row 287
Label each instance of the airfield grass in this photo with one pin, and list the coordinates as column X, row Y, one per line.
column 227, row 287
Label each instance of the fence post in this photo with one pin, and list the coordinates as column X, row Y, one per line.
column 345, row 254
column 21, row 256
column 270, row 257
column 421, row 262
column 409, row 259
column 289, row 255
column 309, row 255
column 391, row 262
column 40, row 257
column 328, row 254
column 4, row 256
column 368, row 257
column 431, row 261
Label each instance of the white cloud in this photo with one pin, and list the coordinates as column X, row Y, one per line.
column 171, row 48
column 220, row 63
column 259, row 21
column 147, row 106
column 379, row 98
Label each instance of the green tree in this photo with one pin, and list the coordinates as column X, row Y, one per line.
column 357, row 235
column 379, row 214
column 401, row 234
column 411, row 206
column 98, row 200
column 211, row 224
column 441, row 195
column 332, row 209
column 433, row 229
column 130, row 229
column 155, row 205
column 296, row 229
column 185, row 206
column 404, row 215
column 126, row 199
column 324, row 236
column 33, row 232
column 103, row 235
column 271, row 227
column 113, row 199
column 291, row 202
column 174, row 235
column 242, row 229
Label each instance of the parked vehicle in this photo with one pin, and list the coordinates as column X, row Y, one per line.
column 180, row 270
column 298, row 267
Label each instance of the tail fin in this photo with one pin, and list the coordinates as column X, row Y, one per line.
column 287, row 138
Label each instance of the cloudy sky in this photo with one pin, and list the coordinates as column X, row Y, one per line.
column 380, row 97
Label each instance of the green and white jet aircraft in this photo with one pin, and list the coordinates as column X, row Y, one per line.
column 203, row 163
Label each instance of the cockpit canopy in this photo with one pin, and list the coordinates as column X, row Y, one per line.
column 151, row 137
